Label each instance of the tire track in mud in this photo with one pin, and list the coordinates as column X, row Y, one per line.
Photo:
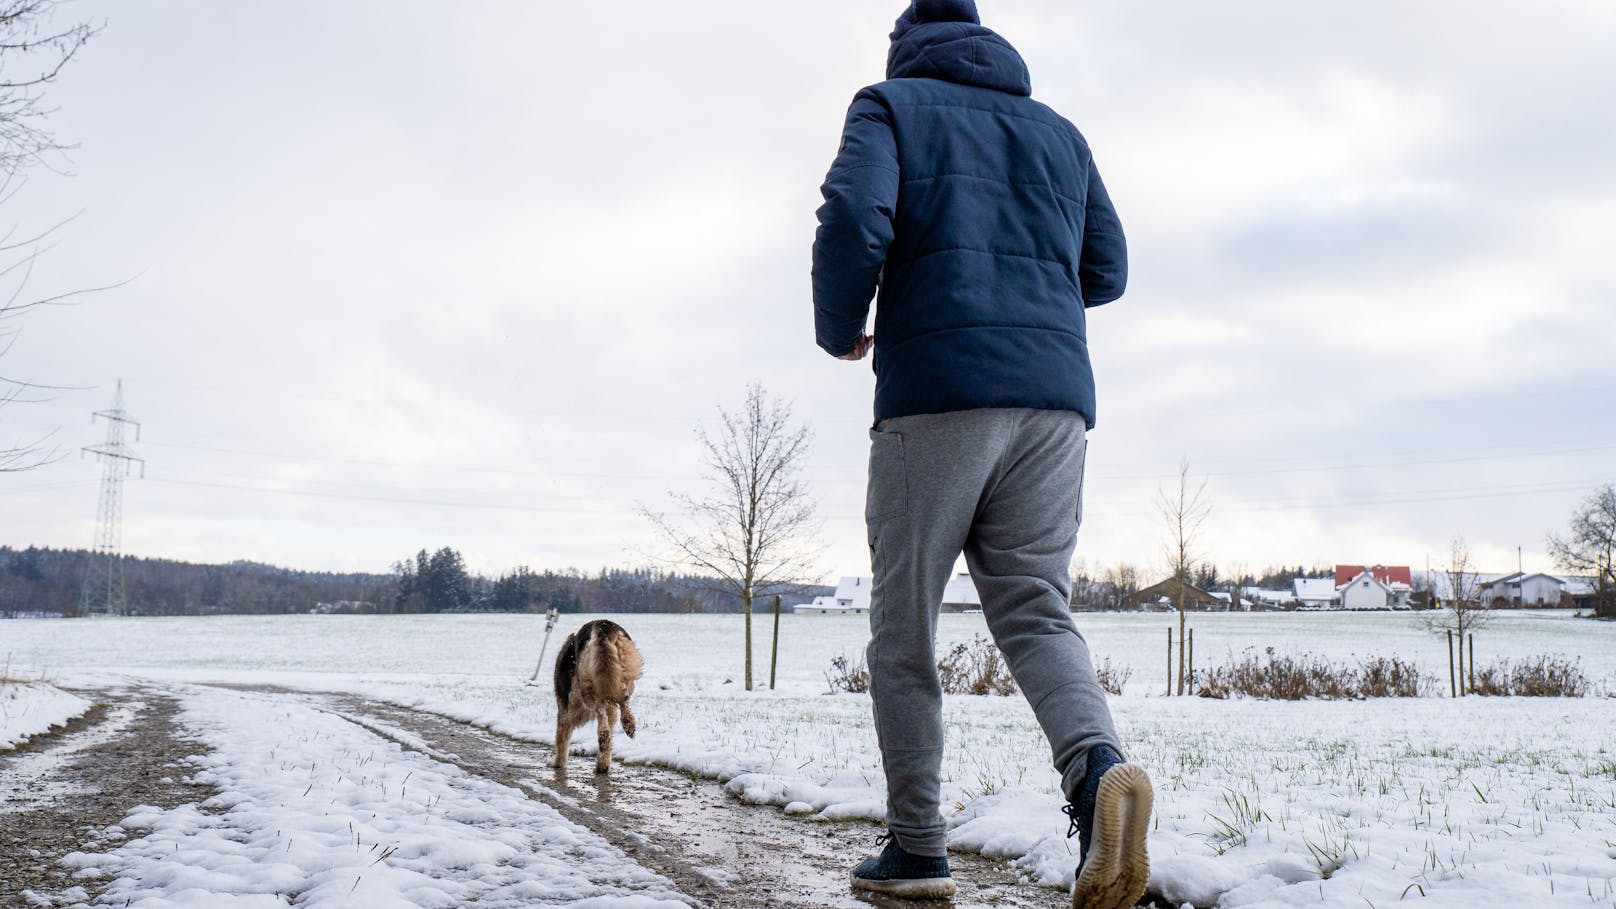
column 714, row 848
column 62, row 792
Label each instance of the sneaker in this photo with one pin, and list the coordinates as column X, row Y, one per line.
column 904, row 874
column 1111, row 818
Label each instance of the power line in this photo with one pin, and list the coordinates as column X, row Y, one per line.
column 1465, row 459
column 851, row 472
column 1293, row 504
column 1369, row 500
column 40, row 487
column 391, row 500
column 597, row 413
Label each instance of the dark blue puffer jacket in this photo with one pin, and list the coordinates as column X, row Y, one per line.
column 980, row 215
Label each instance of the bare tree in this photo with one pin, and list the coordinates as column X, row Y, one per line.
column 1238, row 585
column 33, row 52
column 1462, row 610
column 1184, row 511
column 1123, row 581
column 1589, row 549
column 753, row 525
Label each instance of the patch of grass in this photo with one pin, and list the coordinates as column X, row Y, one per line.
column 10, row 677
column 1240, row 816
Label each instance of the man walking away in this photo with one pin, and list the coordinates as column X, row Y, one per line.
column 979, row 214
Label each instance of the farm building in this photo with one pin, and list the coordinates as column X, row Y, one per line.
column 1314, row 593
column 1165, row 595
column 1536, row 590
column 853, row 596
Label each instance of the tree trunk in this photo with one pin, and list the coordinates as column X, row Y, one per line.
column 1458, row 641
column 1169, row 662
column 1182, row 618
column 747, row 603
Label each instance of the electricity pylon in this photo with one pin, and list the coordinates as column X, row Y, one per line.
column 103, row 583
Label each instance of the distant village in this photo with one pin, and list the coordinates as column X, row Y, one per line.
column 1353, row 587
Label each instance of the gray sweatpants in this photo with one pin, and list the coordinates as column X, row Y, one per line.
column 1005, row 487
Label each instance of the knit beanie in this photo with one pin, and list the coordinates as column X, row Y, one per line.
column 921, row 11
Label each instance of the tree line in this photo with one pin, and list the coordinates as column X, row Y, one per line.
column 43, row 581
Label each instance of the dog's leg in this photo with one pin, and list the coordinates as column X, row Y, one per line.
column 603, row 736
column 629, row 725
column 563, row 739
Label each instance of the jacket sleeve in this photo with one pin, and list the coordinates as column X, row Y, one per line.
column 855, row 225
column 1102, row 270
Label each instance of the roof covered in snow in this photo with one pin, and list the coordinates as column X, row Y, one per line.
column 1314, row 590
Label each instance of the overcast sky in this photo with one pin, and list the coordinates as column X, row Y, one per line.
column 410, row 275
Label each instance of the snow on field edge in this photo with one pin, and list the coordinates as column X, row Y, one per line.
column 1260, row 804
column 312, row 805
column 28, row 709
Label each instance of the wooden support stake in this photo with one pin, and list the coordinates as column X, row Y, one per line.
column 1472, row 636
column 1190, row 688
column 1453, row 689
column 774, row 650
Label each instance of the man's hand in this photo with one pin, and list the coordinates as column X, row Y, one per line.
column 861, row 348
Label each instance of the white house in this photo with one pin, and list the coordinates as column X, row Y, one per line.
column 853, row 596
column 1314, row 593
column 829, row 606
column 1366, row 592
column 1539, row 589
column 960, row 595
column 1374, row 586
column 1268, row 597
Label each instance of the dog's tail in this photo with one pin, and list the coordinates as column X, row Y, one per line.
column 620, row 664
column 630, row 661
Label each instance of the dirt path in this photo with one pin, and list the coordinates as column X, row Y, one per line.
column 714, row 848
column 61, row 792
column 69, row 790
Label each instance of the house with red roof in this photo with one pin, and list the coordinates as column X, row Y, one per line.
column 1374, row 586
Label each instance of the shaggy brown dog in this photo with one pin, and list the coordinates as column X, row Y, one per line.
column 594, row 677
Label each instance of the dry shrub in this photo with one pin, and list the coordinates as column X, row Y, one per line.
column 1112, row 675
column 1535, row 677
column 1274, row 676
column 847, row 675
column 1392, row 677
column 975, row 667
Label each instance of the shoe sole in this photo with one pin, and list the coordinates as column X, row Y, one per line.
column 1118, row 867
column 928, row 888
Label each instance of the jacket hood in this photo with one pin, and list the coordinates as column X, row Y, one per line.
column 958, row 52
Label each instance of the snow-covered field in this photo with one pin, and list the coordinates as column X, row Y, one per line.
column 1259, row 803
